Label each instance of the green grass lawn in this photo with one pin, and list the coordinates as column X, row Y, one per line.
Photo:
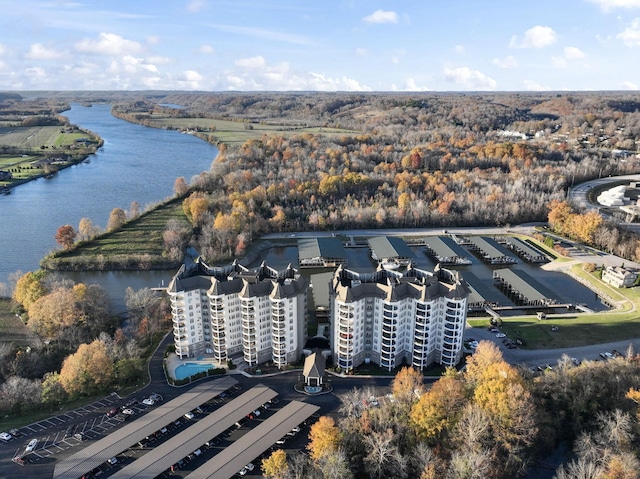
column 142, row 236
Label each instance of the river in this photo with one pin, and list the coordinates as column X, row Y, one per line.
column 136, row 163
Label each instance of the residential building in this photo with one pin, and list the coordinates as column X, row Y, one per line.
column 619, row 277
column 233, row 310
column 390, row 317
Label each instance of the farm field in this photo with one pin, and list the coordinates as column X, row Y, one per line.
column 234, row 132
column 40, row 150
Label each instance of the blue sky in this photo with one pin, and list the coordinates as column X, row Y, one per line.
column 326, row 45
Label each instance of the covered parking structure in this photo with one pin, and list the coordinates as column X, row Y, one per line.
column 390, row 248
column 120, row 440
column 158, row 460
column 445, row 250
column 226, row 464
column 488, row 249
column 526, row 289
column 481, row 295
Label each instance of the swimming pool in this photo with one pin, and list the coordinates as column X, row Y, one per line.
column 189, row 369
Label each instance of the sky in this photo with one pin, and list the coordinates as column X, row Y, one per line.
column 322, row 45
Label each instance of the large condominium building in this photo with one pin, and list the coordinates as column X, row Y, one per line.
column 387, row 317
column 224, row 311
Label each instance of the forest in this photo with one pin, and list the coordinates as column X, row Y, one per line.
column 418, row 160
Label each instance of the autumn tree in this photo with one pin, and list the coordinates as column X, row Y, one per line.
column 407, row 385
column 275, row 466
column 87, row 371
column 117, row 218
column 439, row 409
column 180, row 186
column 324, row 438
column 52, row 312
column 66, row 236
column 29, row 288
column 86, row 229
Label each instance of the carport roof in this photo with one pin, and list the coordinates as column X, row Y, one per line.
column 225, row 464
column 100, row 451
column 156, row 461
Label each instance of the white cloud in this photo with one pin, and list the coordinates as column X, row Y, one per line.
column 470, row 79
column 631, row 35
column 253, row 62
column 194, row 6
column 108, row 44
column 573, row 53
column 190, row 79
column 607, row 5
column 363, row 52
column 536, row 37
column 506, row 62
column 37, row 51
column 531, row 85
column 206, row 49
column 395, row 60
column 627, row 85
column 559, row 62
column 3, row 50
column 381, row 16
column 256, row 74
column 410, row 85
column 153, row 39
column 459, row 49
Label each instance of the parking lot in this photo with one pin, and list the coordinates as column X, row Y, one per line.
column 84, row 423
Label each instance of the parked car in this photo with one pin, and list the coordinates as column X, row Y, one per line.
column 131, row 403
column 31, row 446
column 189, row 415
column 501, row 335
column 156, row 397
column 112, row 412
column 127, row 411
column 5, row 436
column 148, row 402
column 113, row 460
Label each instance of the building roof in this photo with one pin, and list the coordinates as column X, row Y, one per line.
column 121, row 439
column 383, row 247
column 488, row 246
column 444, row 248
column 524, row 248
column 314, row 365
column 323, row 247
column 320, row 288
column 525, row 285
column 156, row 461
column 479, row 291
column 244, row 450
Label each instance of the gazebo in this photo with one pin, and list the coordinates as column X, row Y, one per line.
column 313, row 371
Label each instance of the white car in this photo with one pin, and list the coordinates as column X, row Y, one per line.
column 31, row 446
column 127, row 411
column 148, row 402
column 501, row 335
column 113, row 460
column 5, row 436
column 189, row 415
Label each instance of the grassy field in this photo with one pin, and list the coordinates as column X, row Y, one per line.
column 12, row 329
column 142, row 236
column 236, row 132
column 30, row 142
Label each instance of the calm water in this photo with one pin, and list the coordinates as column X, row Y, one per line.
column 137, row 163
